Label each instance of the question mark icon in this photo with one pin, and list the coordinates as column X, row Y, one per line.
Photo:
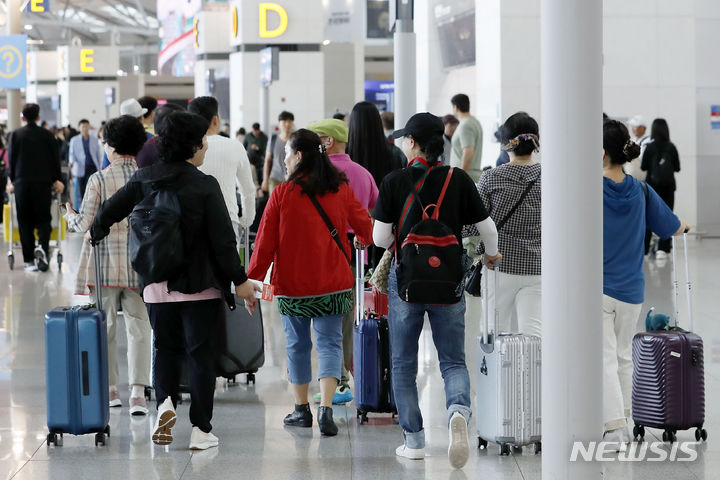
column 9, row 59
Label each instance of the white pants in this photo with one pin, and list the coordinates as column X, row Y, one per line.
column 518, row 296
column 137, row 325
column 619, row 327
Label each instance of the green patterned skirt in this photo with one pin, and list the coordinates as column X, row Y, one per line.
column 338, row 303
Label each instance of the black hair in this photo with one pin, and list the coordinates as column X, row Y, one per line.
column 518, row 124
column 31, row 112
column 617, row 143
column 148, row 102
column 285, row 115
column 433, row 147
column 84, row 120
column 462, row 102
column 450, row 119
column 315, row 174
column 163, row 111
column 339, row 116
column 180, row 136
column 242, row 131
column 125, row 134
column 256, row 126
column 388, row 120
column 367, row 144
column 660, row 132
column 206, row 107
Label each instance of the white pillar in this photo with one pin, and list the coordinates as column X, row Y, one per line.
column 12, row 27
column 572, row 210
column 405, row 79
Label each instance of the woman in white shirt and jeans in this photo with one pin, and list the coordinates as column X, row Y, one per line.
column 519, row 292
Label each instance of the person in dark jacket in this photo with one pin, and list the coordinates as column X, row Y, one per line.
column 186, row 310
column 34, row 170
column 661, row 160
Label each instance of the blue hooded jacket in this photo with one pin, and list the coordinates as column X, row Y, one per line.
column 626, row 215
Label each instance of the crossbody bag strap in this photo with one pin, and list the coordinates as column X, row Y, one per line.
column 517, row 205
column 331, row 228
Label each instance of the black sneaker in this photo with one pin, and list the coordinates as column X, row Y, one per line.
column 301, row 417
column 41, row 261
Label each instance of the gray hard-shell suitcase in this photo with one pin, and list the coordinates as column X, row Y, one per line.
column 508, row 386
column 669, row 375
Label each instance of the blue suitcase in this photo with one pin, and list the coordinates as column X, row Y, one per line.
column 371, row 355
column 76, row 359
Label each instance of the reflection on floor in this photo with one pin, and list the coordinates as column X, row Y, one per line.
column 248, row 419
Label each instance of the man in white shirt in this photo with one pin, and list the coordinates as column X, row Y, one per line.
column 637, row 124
column 227, row 161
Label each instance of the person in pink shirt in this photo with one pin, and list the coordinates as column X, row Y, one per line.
column 334, row 136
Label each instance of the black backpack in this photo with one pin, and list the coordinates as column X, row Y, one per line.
column 156, row 242
column 430, row 269
column 662, row 172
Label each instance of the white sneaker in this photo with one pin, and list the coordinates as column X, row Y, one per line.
column 166, row 418
column 660, row 255
column 411, row 453
column 459, row 449
column 200, row 440
column 31, row 267
column 618, row 438
column 41, row 261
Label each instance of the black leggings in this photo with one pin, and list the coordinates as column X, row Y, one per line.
column 185, row 334
column 668, row 196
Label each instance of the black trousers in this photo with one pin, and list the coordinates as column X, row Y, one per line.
column 33, row 201
column 668, row 196
column 185, row 334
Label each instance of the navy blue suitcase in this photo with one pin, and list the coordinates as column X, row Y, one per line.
column 76, row 359
column 371, row 355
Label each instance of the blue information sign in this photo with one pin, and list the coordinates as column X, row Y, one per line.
column 13, row 52
column 38, row 6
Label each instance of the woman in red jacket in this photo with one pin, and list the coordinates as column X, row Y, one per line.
column 311, row 273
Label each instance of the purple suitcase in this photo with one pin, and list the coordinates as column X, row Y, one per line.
column 669, row 376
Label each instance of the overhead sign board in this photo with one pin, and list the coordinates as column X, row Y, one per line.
column 38, row 6
column 276, row 22
column 13, row 54
column 93, row 61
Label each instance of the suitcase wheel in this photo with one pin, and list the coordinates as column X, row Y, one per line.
column 59, row 261
column 107, row 431
column 700, row 433
column 100, row 439
column 669, row 436
column 362, row 416
column 482, row 443
column 250, row 378
column 538, row 447
column 504, row 449
column 52, row 439
column 639, row 433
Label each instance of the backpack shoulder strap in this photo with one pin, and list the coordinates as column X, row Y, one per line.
column 436, row 213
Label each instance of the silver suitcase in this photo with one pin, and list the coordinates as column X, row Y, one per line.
column 508, row 386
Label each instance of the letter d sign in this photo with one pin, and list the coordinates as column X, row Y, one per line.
column 265, row 8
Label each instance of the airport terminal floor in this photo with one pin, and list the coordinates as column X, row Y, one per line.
column 248, row 418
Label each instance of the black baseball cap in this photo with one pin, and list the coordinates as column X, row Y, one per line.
column 421, row 126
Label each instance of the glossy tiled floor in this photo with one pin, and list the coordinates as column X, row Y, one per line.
column 248, row 419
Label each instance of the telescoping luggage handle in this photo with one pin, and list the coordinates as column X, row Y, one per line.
column 98, row 276
column 359, row 286
column 246, row 252
column 688, row 283
column 487, row 338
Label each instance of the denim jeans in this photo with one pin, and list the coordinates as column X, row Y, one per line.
column 328, row 335
column 448, row 330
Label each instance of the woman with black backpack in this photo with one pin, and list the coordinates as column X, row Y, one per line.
column 426, row 276
column 185, row 300
column 661, row 161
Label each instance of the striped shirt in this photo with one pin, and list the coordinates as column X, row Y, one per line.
column 114, row 250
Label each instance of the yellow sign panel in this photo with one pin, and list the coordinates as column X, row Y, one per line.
column 37, row 6
column 196, row 33
column 86, row 60
column 234, row 22
column 266, row 8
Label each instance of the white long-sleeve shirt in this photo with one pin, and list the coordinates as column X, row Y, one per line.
column 227, row 161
